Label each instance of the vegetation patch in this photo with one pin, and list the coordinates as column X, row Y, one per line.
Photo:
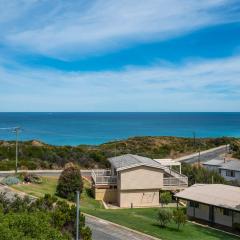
column 44, row 156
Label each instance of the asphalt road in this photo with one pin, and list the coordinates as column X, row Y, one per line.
column 104, row 230
column 204, row 156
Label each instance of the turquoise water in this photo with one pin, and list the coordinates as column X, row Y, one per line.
column 95, row 128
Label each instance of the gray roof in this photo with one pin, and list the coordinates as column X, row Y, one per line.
column 214, row 162
column 219, row 195
column 231, row 165
column 131, row 160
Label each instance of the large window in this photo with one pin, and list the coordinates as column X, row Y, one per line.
column 227, row 212
column 230, row 173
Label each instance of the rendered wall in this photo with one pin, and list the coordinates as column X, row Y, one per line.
column 106, row 195
column 139, row 198
column 141, row 178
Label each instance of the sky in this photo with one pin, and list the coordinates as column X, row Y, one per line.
column 119, row 56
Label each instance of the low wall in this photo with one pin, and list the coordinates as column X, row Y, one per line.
column 106, row 195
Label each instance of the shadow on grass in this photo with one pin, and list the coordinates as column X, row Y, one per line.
column 167, row 228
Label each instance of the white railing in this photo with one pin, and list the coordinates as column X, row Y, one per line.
column 103, row 177
column 175, row 182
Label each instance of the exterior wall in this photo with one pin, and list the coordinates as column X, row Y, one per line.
column 141, row 178
column 106, row 195
column 139, row 198
column 211, row 167
column 223, row 172
column 201, row 213
column 236, row 218
column 222, row 219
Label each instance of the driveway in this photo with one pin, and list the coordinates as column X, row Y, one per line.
column 104, row 230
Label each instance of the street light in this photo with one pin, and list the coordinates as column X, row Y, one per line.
column 16, row 131
column 77, row 220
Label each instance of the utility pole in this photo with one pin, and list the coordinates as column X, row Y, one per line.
column 194, row 139
column 77, row 220
column 16, row 131
column 199, row 153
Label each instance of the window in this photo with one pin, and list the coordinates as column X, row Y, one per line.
column 194, row 204
column 230, row 173
column 227, row 212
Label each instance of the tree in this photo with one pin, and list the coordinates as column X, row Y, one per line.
column 179, row 217
column 164, row 217
column 69, row 182
column 165, row 198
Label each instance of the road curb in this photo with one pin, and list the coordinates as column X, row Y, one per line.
column 121, row 226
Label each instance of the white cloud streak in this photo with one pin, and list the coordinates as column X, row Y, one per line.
column 196, row 86
column 64, row 29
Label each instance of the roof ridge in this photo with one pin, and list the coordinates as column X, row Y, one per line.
column 135, row 157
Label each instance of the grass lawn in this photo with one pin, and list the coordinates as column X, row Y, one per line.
column 142, row 219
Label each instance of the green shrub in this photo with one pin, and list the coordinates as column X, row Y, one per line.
column 69, row 182
column 164, row 217
column 86, row 233
column 10, row 180
column 165, row 198
column 179, row 217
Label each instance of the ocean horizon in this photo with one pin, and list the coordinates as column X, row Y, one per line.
column 75, row 128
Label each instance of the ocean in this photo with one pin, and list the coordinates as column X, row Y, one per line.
column 96, row 128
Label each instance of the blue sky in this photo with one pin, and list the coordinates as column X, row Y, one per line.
column 120, row 55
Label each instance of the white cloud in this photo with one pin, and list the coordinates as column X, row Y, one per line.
column 67, row 28
column 194, row 86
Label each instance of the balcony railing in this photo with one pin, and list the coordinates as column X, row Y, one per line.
column 173, row 182
column 103, row 177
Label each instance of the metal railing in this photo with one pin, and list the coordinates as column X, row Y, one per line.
column 103, row 177
column 175, row 182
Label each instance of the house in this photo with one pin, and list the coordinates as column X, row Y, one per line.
column 135, row 181
column 213, row 164
column 230, row 170
column 214, row 203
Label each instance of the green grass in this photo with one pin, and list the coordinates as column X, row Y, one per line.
column 142, row 219
column 39, row 190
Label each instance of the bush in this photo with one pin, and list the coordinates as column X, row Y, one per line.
column 30, row 177
column 69, row 182
column 179, row 217
column 165, row 198
column 10, row 180
column 164, row 217
column 86, row 233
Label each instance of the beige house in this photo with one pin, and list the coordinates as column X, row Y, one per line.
column 135, row 181
column 214, row 203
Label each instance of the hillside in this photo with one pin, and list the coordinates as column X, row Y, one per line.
column 35, row 154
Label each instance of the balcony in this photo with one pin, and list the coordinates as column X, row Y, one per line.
column 103, row 177
column 174, row 183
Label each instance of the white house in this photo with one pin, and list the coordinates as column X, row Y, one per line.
column 214, row 203
column 230, row 170
column 213, row 164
